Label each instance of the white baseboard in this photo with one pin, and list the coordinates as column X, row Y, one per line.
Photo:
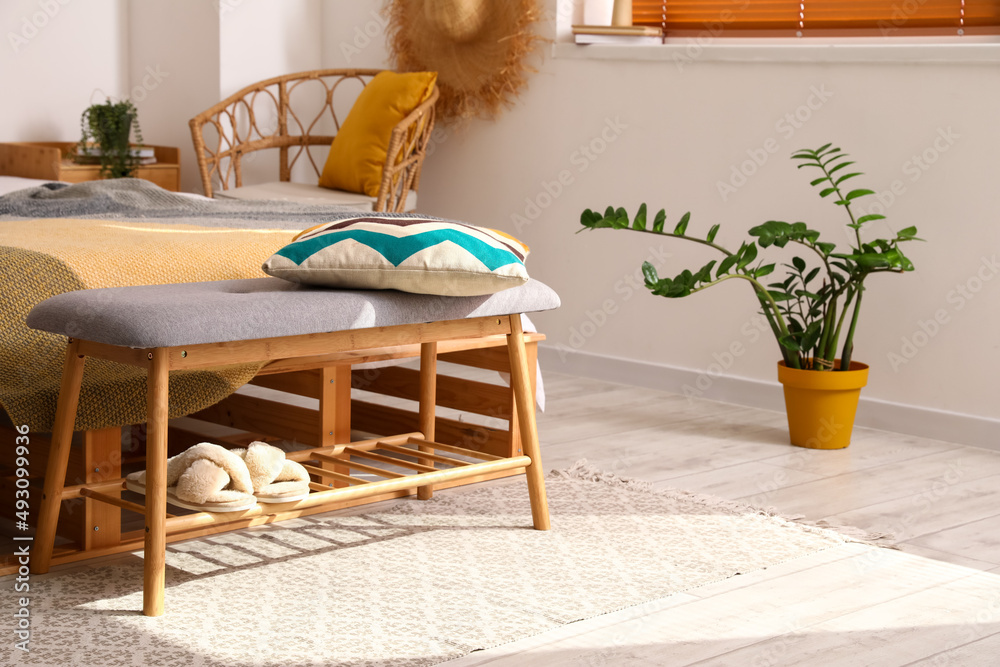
column 872, row 413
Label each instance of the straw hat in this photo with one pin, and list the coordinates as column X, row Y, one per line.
column 477, row 47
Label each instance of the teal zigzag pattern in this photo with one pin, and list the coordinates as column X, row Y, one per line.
column 397, row 249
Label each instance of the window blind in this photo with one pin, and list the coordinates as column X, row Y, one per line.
column 737, row 18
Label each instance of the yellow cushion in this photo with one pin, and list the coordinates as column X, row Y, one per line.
column 358, row 152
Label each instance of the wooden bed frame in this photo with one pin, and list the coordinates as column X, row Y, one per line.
column 89, row 529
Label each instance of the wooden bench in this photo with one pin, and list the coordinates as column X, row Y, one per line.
column 207, row 325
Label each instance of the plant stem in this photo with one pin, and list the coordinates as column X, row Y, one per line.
column 831, row 348
column 845, row 357
column 677, row 236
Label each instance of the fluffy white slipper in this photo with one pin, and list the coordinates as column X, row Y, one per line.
column 275, row 479
column 205, row 477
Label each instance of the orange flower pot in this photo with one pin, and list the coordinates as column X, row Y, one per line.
column 821, row 405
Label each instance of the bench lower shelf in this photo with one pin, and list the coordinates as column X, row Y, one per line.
column 430, row 464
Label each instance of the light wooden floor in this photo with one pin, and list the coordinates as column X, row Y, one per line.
column 936, row 601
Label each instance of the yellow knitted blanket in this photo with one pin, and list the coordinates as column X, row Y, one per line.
column 44, row 257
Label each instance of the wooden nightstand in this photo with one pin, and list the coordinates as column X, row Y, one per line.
column 46, row 160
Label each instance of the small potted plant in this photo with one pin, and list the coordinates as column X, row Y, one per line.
column 810, row 308
column 105, row 130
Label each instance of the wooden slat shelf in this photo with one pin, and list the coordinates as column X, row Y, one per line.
column 362, row 488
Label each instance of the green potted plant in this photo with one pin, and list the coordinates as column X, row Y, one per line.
column 810, row 308
column 105, row 130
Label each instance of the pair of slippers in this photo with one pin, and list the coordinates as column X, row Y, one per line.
column 211, row 478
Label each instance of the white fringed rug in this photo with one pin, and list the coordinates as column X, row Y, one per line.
column 416, row 584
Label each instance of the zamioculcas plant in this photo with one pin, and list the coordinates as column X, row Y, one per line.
column 815, row 303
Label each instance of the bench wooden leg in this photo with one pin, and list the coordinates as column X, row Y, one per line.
column 55, row 472
column 155, row 547
column 525, row 408
column 428, row 402
column 335, row 414
column 102, row 457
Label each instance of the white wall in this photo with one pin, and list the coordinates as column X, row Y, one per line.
column 174, row 61
column 353, row 34
column 57, row 57
column 668, row 135
column 260, row 39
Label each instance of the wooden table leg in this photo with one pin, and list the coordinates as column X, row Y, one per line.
column 155, row 547
column 428, row 401
column 55, row 472
column 525, row 409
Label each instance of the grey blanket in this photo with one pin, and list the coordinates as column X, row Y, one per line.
column 132, row 199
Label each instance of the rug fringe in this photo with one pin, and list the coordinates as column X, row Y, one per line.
column 583, row 470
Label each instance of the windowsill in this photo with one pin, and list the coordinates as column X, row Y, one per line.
column 790, row 51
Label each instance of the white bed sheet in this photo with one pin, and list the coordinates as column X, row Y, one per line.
column 15, row 183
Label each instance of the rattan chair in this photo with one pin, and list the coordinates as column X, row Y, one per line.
column 262, row 116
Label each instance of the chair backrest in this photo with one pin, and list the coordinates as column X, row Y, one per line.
column 261, row 117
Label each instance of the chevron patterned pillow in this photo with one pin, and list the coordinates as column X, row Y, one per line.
column 410, row 254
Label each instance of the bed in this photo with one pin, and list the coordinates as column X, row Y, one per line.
column 56, row 238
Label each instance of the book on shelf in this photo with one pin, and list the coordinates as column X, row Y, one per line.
column 625, row 30
column 141, row 152
column 617, row 39
column 603, row 34
column 90, row 158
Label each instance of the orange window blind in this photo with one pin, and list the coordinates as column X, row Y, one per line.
column 738, row 18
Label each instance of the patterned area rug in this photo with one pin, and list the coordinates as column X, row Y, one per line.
column 415, row 584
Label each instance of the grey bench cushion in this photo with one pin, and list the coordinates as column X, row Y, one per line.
column 229, row 310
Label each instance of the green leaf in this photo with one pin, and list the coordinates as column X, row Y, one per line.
column 640, row 218
column 847, row 176
column 771, row 232
column 827, row 192
column 826, row 248
column 832, row 157
column 725, row 265
column 682, row 225
column 907, row 233
column 789, row 342
column 822, row 148
column 748, row 255
column 661, row 217
column 799, row 263
column 609, row 212
column 861, row 192
column 763, row 271
column 820, row 180
column 780, row 296
column 840, row 166
column 650, row 274
column 711, row 233
column 868, row 218
column 704, row 274
column 871, row 260
column 811, row 335
column 810, row 275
